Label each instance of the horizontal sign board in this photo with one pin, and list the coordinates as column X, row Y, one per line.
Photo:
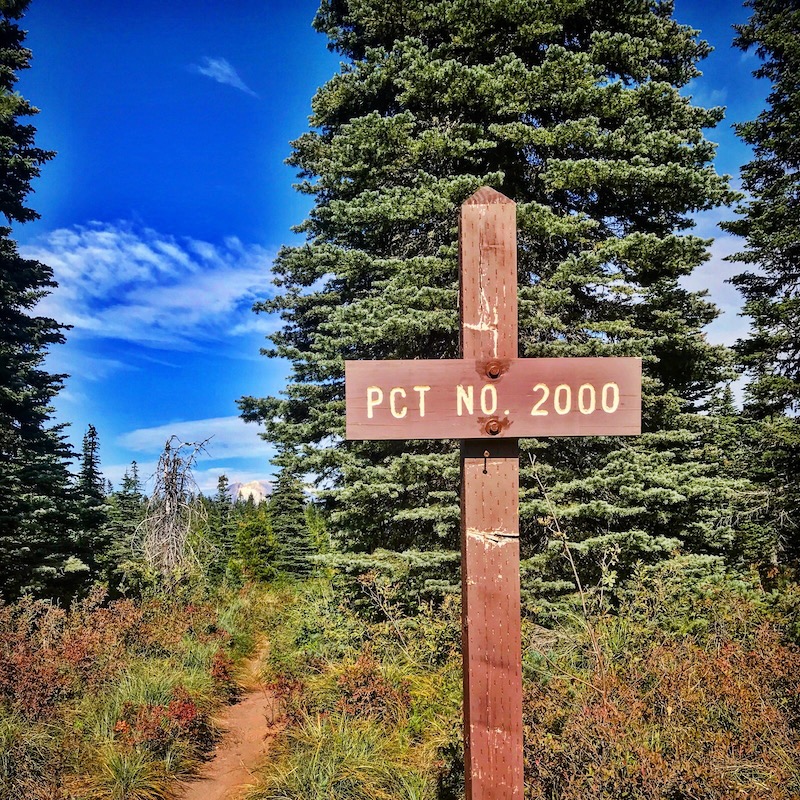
column 459, row 399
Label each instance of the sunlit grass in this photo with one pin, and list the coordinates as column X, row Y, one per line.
column 341, row 758
column 128, row 775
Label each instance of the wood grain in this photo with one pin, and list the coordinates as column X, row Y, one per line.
column 490, row 591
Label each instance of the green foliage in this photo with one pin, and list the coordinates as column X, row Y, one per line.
column 372, row 704
column 338, row 758
column 382, row 581
column 255, row 541
column 290, row 525
column 115, row 700
column 576, row 114
column 769, row 220
column 92, row 537
column 126, row 509
column 690, row 691
column 27, row 754
column 317, row 528
column 36, row 523
column 128, row 775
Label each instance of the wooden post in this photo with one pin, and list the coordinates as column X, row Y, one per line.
column 488, row 398
column 491, row 638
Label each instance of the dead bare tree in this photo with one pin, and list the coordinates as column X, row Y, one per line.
column 173, row 509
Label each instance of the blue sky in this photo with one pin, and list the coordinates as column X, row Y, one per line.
column 169, row 198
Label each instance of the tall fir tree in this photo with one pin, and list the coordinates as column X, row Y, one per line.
column 35, row 504
column 125, row 514
column 221, row 527
column 255, row 541
column 289, row 524
column 574, row 111
column 91, row 485
column 92, row 537
column 769, row 220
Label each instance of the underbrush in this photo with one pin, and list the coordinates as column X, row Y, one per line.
column 115, row 700
column 690, row 689
column 373, row 704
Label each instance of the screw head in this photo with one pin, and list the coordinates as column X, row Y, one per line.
column 493, row 427
column 494, row 369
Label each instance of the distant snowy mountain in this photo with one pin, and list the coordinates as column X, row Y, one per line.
column 258, row 490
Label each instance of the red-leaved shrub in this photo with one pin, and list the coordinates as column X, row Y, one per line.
column 670, row 719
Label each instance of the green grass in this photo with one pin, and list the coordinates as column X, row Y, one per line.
column 27, row 752
column 341, row 758
column 128, row 775
column 144, row 683
column 115, row 701
column 373, row 705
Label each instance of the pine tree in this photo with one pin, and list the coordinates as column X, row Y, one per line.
column 35, row 505
column 255, row 541
column 289, row 526
column 575, row 113
column 92, row 511
column 221, row 528
column 770, row 222
column 125, row 515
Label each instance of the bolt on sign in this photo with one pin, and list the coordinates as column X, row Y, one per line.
column 489, row 399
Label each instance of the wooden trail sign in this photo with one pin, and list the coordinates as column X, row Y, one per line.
column 529, row 397
column 488, row 399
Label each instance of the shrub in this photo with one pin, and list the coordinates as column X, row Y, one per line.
column 366, row 692
column 114, row 697
column 665, row 713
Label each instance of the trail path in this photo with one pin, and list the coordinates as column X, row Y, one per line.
column 248, row 728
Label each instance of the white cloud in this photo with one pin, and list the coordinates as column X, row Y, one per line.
column 135, row 284
column 232, row 438
column 704, row 96
column 713, row 276
column 222, row 71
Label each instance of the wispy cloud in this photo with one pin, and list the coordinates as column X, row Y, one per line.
column 134, row 284
column 714, row 276
column 704, row 96
column 232, row 437
column 222, row 71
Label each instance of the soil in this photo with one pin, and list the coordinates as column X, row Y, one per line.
column 248, row 727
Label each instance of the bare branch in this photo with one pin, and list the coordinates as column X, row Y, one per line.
column 173, row 509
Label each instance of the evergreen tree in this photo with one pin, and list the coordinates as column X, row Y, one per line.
column 92, row 511
column 35, row 505
column 575, row 113
column 221, row 527
column 770, row 222
column 255, row 541
column 125, row 514
column 91, row 537
column 289, row 525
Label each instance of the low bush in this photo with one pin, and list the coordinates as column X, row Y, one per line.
column 373, row 698
column 668, row 699
column 107, row 700
column 344, row 758
column 691, row 689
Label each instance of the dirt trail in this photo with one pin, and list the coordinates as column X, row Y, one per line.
column 247, row 728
